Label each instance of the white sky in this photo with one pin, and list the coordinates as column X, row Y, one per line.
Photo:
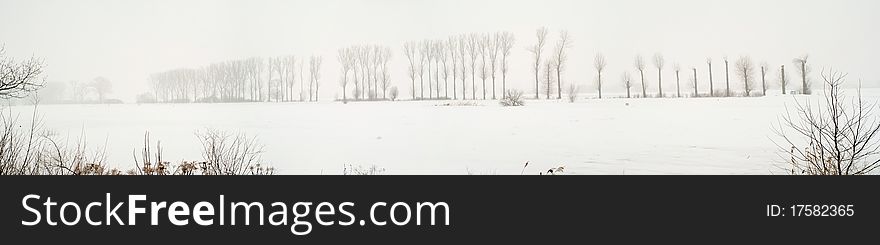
column 125, row 40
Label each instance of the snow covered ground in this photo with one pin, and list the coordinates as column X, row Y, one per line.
column 608, row 136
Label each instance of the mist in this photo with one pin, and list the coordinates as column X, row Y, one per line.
column 126, row 41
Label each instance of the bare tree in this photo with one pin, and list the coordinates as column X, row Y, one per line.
column 255, row 69
column 711, row 81
column 506, row 41
column 441, row 71
column 548, row 78
column 804, row 70
column 428, row 49
column 835, row 136
column 561, row 56
column 282, row 67
column 290, row 62
column 727, row 76
column 599, row 63
column 315, row 73
column 344, row 57
column 696, row 92
column 764, row 79
column 485, row 42
column 627, row 83
column 677, row 68
column 659, row 62
column 473, row 47
column 494, row 48
column 385, row 55
column 537, row 50
column 102, row 86
column 640, row 65
column 409, row 49
column 782, row 80
column 302, row 64
column 452, row 48
column 18, row 79
column 745, row 70
column 436, row 50
column 463, row 47
column 423, row 59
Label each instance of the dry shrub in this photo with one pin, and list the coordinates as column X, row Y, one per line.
column 513, row 98
column 834, row 136
column 33, row 150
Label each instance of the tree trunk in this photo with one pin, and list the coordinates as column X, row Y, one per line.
column 269, row 87
column 727, row 78
column 677, row 85
column 549, row 82
column 783, row 79
column 537, row 90
column 454, row 91
column 763, row 81
column 644, row 91
column 429, row 81
column 660, row 82
column 446, row 87
column 484, row 88
column 559, row 81
column 804, row 77
column 493, row 83
column 600, row 86
column 711, row 82
column 473, row 84
column 696, row 93
column 503, row 85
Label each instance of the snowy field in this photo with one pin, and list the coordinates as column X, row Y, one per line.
column 608, row 136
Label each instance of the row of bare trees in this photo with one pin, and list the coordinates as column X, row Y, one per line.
column 553, row 65
column 253, row 79
column 476, row 55
column 745, row 69
column 370, row 75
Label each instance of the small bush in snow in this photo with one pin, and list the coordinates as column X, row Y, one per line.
column 513, row 98
column 572, row 93
column 393, row 93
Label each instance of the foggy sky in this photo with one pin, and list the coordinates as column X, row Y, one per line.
column 126, row 40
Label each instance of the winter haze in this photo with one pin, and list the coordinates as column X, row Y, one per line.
column 126, row 40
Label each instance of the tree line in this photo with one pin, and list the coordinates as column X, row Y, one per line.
column 273, row 79
column 368, row 65
column 464, row 66
column 474, row 55
column 548, row 72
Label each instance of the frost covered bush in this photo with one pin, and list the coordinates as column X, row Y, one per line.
column 513, row 98
column 572, row 93
column 393, row 93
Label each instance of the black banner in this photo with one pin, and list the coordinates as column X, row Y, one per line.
column 480, row 209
